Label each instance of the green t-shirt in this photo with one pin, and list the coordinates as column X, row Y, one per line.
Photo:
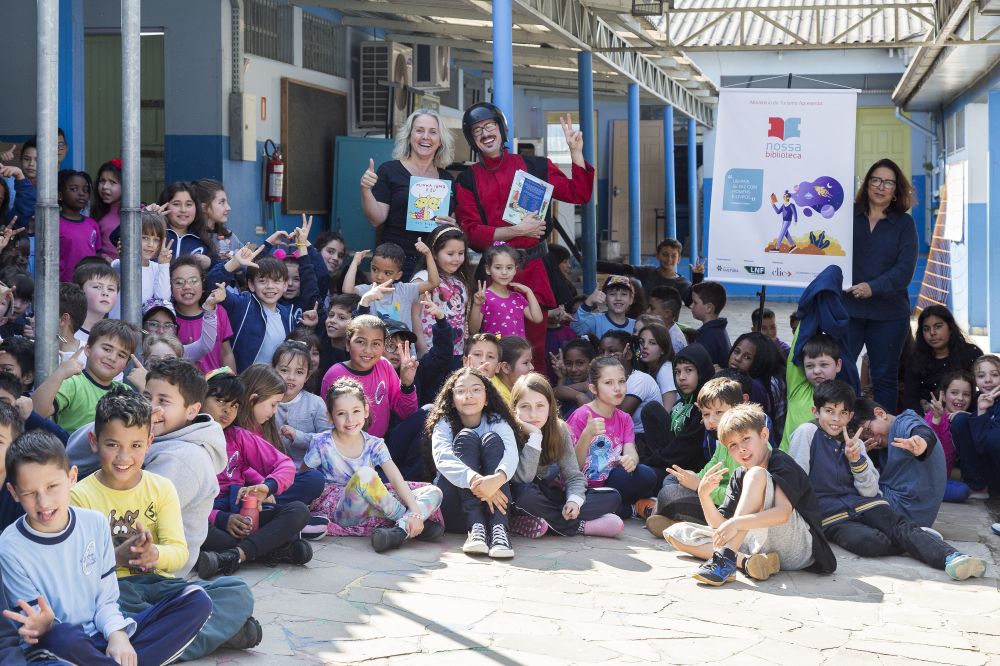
column 76, row 401
column 800, row 398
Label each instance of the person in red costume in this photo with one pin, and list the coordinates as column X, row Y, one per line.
column 481, row 193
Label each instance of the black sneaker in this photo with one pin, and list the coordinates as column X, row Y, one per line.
column 387, row 538
column 315, row 529
column 223, row 563
column 432, row 531
column 248, row 636
column 293, row 552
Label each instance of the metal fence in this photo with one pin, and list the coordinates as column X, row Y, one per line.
column 324, row 46
column 267, row 29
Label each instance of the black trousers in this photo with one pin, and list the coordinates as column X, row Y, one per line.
column 546, row 500
column 460, row 508
column 880, row 531
column 278, row 526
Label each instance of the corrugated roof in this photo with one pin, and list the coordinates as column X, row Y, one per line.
column 837, row 26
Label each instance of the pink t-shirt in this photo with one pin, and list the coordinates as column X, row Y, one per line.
column 504, row 316
column 189, row 330
column 605, row 450
column 383, row 391
column 77, row 239
column 451, row 296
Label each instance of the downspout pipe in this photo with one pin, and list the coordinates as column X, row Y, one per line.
column 932, row 135
column 236, row 85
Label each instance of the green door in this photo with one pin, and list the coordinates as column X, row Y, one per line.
column 103, row 76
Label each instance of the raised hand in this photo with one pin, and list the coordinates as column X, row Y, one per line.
column 986, row 400
column 304, row 230
column 162, row 209
column 595, row 425
column 574, row 137
column 407, row 365
column 558, row 365
column 596, row 298
column 8, row 155
column 24, row 406
column 937, row 406
column 699, row 266
column 517, row 286
column 73, row 365
column 480, row 296
column 853, row 446
column 281, row 237
column 310, row 318
column 11, row 172
column 29, row 328
column 369, row 177
column 7, row 234
column 915, row 445
column 685, row 477
column 216, row 296
column 137, row 376
column 34, row 623
column 360, row 256
column 421, row 247
column 245, row 256
column 432, row 308
column 377, row 292
column 712, row 479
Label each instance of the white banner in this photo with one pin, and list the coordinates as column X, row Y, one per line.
column 782, row 199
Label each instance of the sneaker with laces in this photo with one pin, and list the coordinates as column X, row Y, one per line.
column 315, row 529
column 475, row 543
column 293, row 552
column 762, row 566
column 222, row 563
column 981, row 494
column 500, row 544
column 432, row 531
column 960, row 566
column 644, row 508
column 996, row 528
column 530, row 527
column 387, row 538
column 248, row 636
column 719, row 570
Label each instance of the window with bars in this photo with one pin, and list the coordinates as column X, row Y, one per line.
column 267, row 29
column 323, row 46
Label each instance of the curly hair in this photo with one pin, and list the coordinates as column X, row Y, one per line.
column 496, row 410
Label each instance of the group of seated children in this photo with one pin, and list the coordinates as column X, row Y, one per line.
column 276, row 394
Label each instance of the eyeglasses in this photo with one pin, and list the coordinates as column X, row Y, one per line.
column 475, row 391
column 190, row 282
column 160, row 326
column 877, row 182
column 482, row 129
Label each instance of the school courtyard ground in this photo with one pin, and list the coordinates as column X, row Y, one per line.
column 626, row 600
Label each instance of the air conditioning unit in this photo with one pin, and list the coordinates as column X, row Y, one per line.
column 432, row 66
column 381, row 62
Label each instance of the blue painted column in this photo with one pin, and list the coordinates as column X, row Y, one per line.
column 634, row 200
column 71, row 99
column 693, row 188
column 588, row 211
column 993, row 222
column 670, row 184
column 503, row 63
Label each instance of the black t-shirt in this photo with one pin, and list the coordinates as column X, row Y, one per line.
column 794, row 482
column 393, row 188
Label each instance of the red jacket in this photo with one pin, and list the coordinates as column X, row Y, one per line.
column 493, row 180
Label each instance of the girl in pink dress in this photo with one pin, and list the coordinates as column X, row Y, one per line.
column 502, row 308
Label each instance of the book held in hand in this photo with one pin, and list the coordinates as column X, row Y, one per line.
column 527, row 195
column 428, row 198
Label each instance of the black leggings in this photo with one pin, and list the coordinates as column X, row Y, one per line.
column 278, row 526
column 546, row 500
column 462, row 509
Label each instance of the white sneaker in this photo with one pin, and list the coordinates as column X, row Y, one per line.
column 475, row 543
column 933, row 532
column 500, row 548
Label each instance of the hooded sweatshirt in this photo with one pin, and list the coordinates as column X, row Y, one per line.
column 684, row 442
column 191, row 457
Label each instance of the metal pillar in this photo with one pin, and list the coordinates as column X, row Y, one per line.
column 47, row 206
column 588, row 216
column 693, row 189
column 634, row 201
column 669, row 190
column 991, row 292
column 130, row 210
column 503, row 63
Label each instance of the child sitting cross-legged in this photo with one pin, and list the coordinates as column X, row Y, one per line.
column 144, row 514
column 257, row 469
column 855, row 515
column 769, row 518
column 356, row 499
column 54, row 544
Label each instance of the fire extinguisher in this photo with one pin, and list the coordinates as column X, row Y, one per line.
column 274, row 172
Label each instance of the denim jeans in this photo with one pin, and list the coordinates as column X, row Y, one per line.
column 884, row 340
column 460, row 507
column 638, row 484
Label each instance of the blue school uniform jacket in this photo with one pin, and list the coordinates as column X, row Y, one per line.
column 187, row 244
column 913, row 485
column 246, row 316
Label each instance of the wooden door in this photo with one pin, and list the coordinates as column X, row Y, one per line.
column 651, row 183
column 880, row 134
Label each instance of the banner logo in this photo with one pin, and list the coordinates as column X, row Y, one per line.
column 783, row 128
column 754, row 270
